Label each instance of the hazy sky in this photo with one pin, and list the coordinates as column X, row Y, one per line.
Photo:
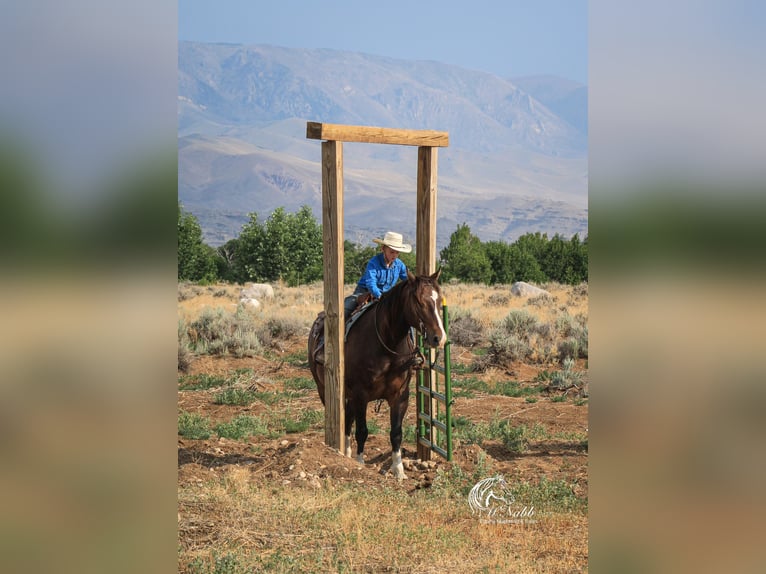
column 505, row 37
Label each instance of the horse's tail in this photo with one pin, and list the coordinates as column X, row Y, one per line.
column 313, row 347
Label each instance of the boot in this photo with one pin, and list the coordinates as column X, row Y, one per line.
column 319, row 354
column 418, row 361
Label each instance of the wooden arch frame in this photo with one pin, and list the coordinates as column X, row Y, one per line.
column 428, row 142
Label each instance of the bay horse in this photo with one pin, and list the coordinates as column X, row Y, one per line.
column 379, row 357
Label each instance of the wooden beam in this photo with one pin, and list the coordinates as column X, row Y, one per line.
column 366, row 134
column 425, row 258
column 332, row 234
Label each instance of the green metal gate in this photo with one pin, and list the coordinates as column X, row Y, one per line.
column 434, row 399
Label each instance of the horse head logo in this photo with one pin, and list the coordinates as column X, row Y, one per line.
column 490, row 495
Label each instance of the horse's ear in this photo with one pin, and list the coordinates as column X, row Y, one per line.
column 436, row 275
column 410, row 275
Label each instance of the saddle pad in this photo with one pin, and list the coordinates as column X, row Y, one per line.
column 355, row 316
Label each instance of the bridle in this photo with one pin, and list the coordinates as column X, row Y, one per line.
column 421, row 329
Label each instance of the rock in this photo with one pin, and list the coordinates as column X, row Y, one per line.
column 522, row 289
column 302, row 475
column 284, row 443
column 257, row 291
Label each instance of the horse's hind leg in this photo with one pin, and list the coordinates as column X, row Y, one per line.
column 398, row 410
column 361, row 430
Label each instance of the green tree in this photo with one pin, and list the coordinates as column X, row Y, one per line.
column 355, row 258
column 285, row 247
column 500, row 256
column 465, row 258
column 533, row 243
column 525, row 267
column 196, row 260
column 565, row 261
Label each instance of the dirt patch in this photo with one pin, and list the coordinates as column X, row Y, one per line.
column 305, row 461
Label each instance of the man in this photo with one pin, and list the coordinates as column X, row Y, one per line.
column 383, row 271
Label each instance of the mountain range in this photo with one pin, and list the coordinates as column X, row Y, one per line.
column 516, row 163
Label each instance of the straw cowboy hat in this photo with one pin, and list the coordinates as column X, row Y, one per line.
column 394, row 241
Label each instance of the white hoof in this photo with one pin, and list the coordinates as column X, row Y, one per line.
column 397, row 468
column 360, row 458
column 348, row 446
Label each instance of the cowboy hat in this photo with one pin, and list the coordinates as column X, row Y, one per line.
column 394, row 241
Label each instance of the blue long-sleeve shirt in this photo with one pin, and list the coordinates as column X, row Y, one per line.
column 377, row 278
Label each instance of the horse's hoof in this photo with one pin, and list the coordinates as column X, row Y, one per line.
column 360, row 458
column 399, row 474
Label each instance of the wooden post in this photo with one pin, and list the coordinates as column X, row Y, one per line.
column 425, row 260
column 332, row 234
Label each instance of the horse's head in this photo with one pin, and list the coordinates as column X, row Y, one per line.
column 424, row 309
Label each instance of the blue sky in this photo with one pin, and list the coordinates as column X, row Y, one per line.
column 507, row 38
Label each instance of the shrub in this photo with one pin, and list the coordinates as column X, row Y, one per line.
column 184, row 358
column 217, row 332
column 300, row 384
column 193, row 426
column 184, row 355
column 234, row 396
column 279, row 328
column 200, row 381
column 303, row 422
column 505, row 348
column 520, row 323
column 569, row 348
column 566, row 378
column 498, row 299
column 242, row 427
column 465, row 330
column 515, row 439
column 542, row 300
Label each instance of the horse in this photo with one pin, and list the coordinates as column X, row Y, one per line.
column 380, row 357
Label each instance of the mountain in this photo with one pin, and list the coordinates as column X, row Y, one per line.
column 567, row 99
column 515, row 164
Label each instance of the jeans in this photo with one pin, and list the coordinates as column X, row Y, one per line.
column 349, row 303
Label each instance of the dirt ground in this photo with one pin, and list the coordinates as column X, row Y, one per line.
column 304, row 460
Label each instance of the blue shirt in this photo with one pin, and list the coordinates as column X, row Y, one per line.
column 377, row 278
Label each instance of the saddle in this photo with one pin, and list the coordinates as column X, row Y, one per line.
column 363, row 302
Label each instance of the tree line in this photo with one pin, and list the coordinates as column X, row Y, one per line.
column 288, row 247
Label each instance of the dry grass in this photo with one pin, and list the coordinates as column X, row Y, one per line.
column 487, row 305
column 342, row 528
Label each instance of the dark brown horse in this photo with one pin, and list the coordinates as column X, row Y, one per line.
column 379, row 357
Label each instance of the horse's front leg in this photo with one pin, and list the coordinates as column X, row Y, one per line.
column 349, row 420
column 398, row 410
